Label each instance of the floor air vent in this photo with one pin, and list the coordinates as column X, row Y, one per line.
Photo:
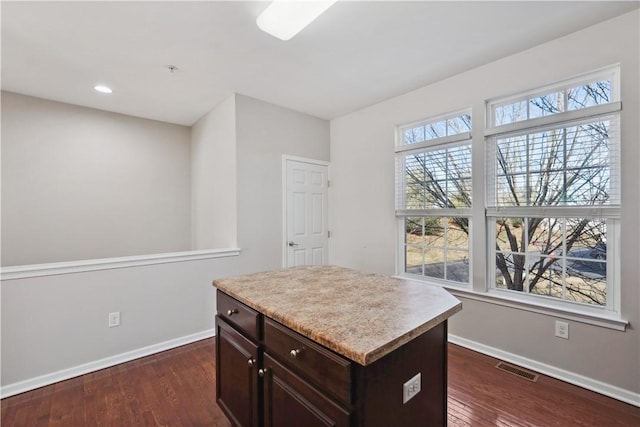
column 517, row 371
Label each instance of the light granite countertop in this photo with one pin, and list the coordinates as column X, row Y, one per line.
column 361, row 316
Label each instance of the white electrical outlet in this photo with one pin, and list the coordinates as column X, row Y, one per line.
column 114, row 319
column 411, row 388
column 562, row 329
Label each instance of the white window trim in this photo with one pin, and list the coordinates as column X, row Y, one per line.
column 613, row 304
column 401, row 148
column 480, row 291
column 597, row 316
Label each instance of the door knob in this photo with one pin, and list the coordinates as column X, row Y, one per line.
column 292, row 243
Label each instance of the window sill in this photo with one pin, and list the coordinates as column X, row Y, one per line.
column 55, row 268
column 605, row 320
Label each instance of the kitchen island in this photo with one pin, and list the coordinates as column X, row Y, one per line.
column 325, row 345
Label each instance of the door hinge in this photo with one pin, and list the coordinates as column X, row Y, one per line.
column 328, row 183
column 328, row 233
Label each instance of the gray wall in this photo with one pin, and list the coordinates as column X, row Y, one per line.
column 265, row 133
column 213, row 178
column 56, row 326
column 79, row 183
column 362, row 199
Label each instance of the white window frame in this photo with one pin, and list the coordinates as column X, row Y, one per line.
column 479, row 290
column 611, row 212
column 402, row 149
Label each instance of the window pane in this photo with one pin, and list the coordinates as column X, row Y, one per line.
column 586, row 239
column 414, row 135
column 459, row 124
column 545, row 105
column 545, row 150
column 588, row 170
column 545, row 235
column 509, row 233
column 509, row 271
column 436, row 130
column 414, row 196
column 434, row 263
column 458, row 233
column 413, row 259
column 511, row 190
column 587, row 282
column 589, row 95
column 414, row 231
column 459, row 177
column 510, row 113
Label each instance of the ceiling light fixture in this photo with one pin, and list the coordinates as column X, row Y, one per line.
column 102, row 89
column 286, row 18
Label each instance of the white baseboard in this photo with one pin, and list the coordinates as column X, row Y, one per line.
column 551, row 371
column 65, row 374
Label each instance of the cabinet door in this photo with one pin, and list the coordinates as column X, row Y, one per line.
column 290, row 401
column 237, row 390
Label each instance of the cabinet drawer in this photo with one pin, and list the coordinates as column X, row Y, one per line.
column 318, row 365
column 244, row 318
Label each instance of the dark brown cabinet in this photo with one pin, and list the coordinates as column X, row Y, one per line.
column 271, row 376
column 268, row 375
column 237, row 382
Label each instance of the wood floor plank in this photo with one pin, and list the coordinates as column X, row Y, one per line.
column 177, row 388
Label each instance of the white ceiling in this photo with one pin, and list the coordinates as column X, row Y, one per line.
column 356, row 54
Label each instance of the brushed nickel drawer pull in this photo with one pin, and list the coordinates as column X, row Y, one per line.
column 262, row 372
column 294, row 353
column 232, row 311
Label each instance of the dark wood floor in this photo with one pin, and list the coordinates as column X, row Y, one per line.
column 176, row 388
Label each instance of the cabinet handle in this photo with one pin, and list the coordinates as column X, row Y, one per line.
column 251, row 362
column 294, row 353
column 232, row 311
column 262, row 372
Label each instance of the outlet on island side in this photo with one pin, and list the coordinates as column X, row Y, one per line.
column 411, row 388
column 114, row 319
column 562, row 329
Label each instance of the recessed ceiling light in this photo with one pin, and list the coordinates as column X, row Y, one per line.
column 285, row 18
column 102, row 89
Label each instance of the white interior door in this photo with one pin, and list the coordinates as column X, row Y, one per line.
column 306, row 226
